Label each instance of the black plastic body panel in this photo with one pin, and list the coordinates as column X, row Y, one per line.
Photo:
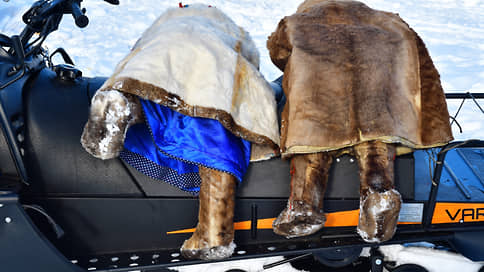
column 23, row 247
column 11, row 100
column 55, row 114
column 7, row 165
column 96, row 226
column 470, row 244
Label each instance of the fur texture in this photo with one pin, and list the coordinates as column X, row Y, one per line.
column 214, row 235
column 379, row 202
column 198, row 62
column 304, row 212
column 111, row 114
column 354, row 74
column 357, row 81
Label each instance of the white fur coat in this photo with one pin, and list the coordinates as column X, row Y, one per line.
column 197, row 61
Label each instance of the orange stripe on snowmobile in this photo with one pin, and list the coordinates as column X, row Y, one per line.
column 458, row 213
column 336, row 219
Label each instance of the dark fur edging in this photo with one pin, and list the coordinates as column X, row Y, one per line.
column 161, row 96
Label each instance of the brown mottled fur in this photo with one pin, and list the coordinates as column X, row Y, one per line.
column 215, row 227
column 376, row 162
column 173, row 101
column 356, row 80
column 353, row 74
column 95, row 128
column 215, row 231
column 304, row 212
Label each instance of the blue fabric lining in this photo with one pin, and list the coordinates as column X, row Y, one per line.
column 172, row 140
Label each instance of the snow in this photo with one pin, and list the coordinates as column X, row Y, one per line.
column 432, row 259
column 452, row 29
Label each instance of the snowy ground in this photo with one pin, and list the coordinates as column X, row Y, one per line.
column 452, row 29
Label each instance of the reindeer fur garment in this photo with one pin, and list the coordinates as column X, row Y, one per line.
column 198, row 62
column 353, row 74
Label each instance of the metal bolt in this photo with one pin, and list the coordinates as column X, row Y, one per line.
column 378, row 261
column 352, row 160
column 8, row 220
column 338, row 159
column 1, row 205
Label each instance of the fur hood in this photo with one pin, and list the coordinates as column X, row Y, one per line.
column 353, row 74
column 197, row 61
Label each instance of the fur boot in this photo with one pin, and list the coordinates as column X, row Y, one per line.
column 112, row 113
column 214, row 235
column 304, row 212
column 379, row 202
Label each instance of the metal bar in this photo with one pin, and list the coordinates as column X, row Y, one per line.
column 475, row 101
column 470, row 165
column 464, row 95
column 12, row 145
column 254, row 251
column 457, row 181
column 429, row 211
column 267, row 266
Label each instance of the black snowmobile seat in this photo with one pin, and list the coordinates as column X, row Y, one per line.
column 55, row 113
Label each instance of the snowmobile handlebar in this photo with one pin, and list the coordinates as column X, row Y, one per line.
column 78, row 14
column 44, row 16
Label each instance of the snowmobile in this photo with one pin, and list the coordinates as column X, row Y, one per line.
column 64, row 210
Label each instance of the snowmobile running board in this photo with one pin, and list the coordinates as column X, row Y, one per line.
column 24, row 248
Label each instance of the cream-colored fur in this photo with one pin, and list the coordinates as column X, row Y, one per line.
column 199, row 62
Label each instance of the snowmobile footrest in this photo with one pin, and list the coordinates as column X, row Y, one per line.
column 23, row 247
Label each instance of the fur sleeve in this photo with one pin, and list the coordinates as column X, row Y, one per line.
column 279, row 45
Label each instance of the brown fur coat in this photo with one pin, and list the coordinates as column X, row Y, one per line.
column 353, row 74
